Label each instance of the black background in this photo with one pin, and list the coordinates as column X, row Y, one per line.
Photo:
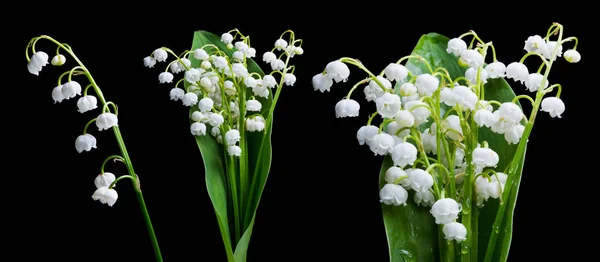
column 321, row 201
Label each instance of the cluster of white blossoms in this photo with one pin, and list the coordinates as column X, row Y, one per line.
column 71, row 89
column 225, row 96
column 429, row 123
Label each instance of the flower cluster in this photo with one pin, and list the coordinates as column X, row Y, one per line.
column 67, row 89
column 226, row 94
column 430, row 122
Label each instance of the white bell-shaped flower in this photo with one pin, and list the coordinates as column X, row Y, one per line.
column 37, row 61
column 226, row 38
column 394, row 173
column 485, row 117
column 270, row 82
column 464, row 97
column 547, row 52
column 200, row 54
column 513, row 134
column 85, row 142
column 289, row 79
column 426, row 84
column 420, row 113
column 496, row 70
column 572, row 56
column 106, row 196
column 471, row 75
column 220, row 62
column 373, row 90
column 451, row 125
column 392, row 194
column 485, row 157
column 395, row 72
column 253, row 105
column 404, row 118
column 189, row 99
column 176, row 93
column 366, row 133
column 338, row 71
column 424, row 198
column 149, row 61
column 57, row 95
column 106, row 120
column 198, row 129
column 510, row 112
column 447, row 97
column 429, row 141
column 234, row 150
column 382, row 144
column 192, row 75
column 269, row 57
column 420, row 180
column 554, row 106
column 104, row 180
column 347, row 108
column 197, row 116
column 445, row 210
column 455, row 231
column 517, row 71
column 255, row 124
column 205, row 104
column 281, row 44
column 404, row 154
column 160, row 55
column 277, row 64
column 472, row 58
column 165, row 77
column 87, row 103
column 534, row 44
column 232, row 136
column 456, row 46
column 388, row 105
column 71, row 89
column 534, row 82
column 215, row 119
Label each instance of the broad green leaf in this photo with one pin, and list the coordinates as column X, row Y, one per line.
column 213, row 156
column 404, row 224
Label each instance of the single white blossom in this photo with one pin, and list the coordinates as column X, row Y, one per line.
column 347, row 108
column 382, row 144
column 241, row 46
column 455, row 231
column 106, row 196
column 269, row 81
column 426, row 84
column 456, row 46
column 87, row 103
column 419, row 111
column 232, row 136
column 338, row 71
column 394, row 173
column 404, row 154
column 149, row 61
column 517, row 71
column 37, row 61
column 485, row 157
column 322, row 82
column 165, row 77
column 472, row 58
column 201, row 54
column 388, row 105
column 71, row 89
column 395, row 72
column 485, row 117
column 392, row 194
column 366, row 133
column 429, row 141
column 496, row 70
column 220, row 62
column 549, row 49
column 289, row 79
column 85, row 142
column 253, row 105
column 189, row 99
column 534, row 82
column 277, row 64
column 198, row 129
column 374, row 90
column 234, row 151
column 226, row 38
column 205, row 65
column 281, row 44
column 554, row 106
column 176, row 93
column 513, row 134
column 420, row 180
column 106, row 120
column 255, row 124
column 424, row 198
column 445, row 210
column 197, row 116
column 534, row 44
column 104, row 180
column 464, row 97
column 160, row 55
column 471, row 75
column 269, row 57
column 57, row 95
column 215, row 119
column 205, row 104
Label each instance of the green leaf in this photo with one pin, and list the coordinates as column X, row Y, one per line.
column 216, row 176
column 412, row 228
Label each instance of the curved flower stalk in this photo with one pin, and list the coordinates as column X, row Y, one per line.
column 232, row 102
column 430, row 125
column 68, row 88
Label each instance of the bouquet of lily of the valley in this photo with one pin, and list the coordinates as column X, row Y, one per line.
column 231, row 103
column 453, row 135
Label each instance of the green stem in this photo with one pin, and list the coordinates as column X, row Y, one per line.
column 235, row 197
column 115, row 157
column 514, row 177
column 244, row 187
column 124, row 153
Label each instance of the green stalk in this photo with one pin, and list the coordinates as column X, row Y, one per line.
column 130, row 170
column 234, row 195
column 514, row 177
column 244, row 157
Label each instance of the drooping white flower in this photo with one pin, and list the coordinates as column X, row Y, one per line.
column 260, row 91
column 408, row 91
column 57, row 95
column 445, row 210
column 215, row 119
column 456, row 46
column 269, row 81
column 106, row 196
column 104, row 180
column 447, row 97
column 426, row 84
column 37, row 61
column 85, row 142
column 496, row 185
column 534, row 44
column 160, row 55
column 289, row 79
column 404, row 118
column 472, row 58
column 451, row 125
column 255, row 124
column 234, row 151
column 418, row 110
column 464, row 97
column 198, row 129
column 251, row 52
column 420, row 180
column 388, row 105
column 471, row 75
column 485, row 157
column 176, row 93
column 197, row 116
column 517, row 71
column 298, row 50
column 404, row 154
column 513, row 134
column 239, row 70
column 382, row 144
column 253, row 105
column 373, row 90
column 392, row 194
column 71, row 89
column 394, row 173
column 322, row 82
column 189, row 99
column 149, row 61
column 510, row 112
column 87, row 103
column 424, row 198
column 192, row 75
column 496, row 70
column 205, row 104
column 554, row 106
column 277, row 64
column 429, row 141
column 232, row 136
column 338, row 71
column 238, row 56
column 226, row 38
column 269, row 57
column 347, row 108
column 366, row 133
column 219, row 62
column 455, row 231
column 215, row 131
column 485, row 117
column 165, row 77
column 547, row 51
column 241, row 46
column 59, row 60
column 395, row 72
column 205, row 65
column 106, row 120
column 281, row 44
column 572, row 56
column 200, row 54
column 534, row 82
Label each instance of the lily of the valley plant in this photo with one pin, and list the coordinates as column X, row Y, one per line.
column 69, row 87
column 454, row 137
column 231, row 104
